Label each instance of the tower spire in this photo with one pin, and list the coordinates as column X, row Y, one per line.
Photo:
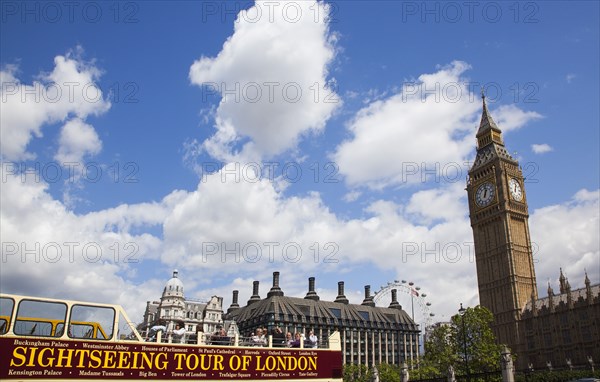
column 490, row 144
column 487, row 122
column 562, row 279
column 587, row 279
column 550, row 298
column 588, row 289
column 488, row 132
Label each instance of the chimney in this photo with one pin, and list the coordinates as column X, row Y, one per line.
column 368, row 301
column 275, row 289
column 340, row 297
column 234, row 303
column 255, row 297
column 311, row 295
column 394, row 304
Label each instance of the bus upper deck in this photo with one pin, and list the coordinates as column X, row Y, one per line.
column 45, row 317
column 51, row 339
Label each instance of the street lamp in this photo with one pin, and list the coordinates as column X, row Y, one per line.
column 462, row 311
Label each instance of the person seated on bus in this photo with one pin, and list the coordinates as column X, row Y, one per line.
column 154, row 332
column 278, row 337
column 312, row 340
column 179, row 334
column 296, row 342
column 259, row 338
column 220, row 338
column 193, row 338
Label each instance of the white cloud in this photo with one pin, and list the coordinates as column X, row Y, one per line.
column 241, row 215
column 66, row 255
column 77, row 139
column 541, row 148
column 436, row 204
column 574, row 246
column 570, row 77
column 352, row 196
column 272, row 75
column 68, row 91
column 409, row 130
column 510, row 117
column 419, row 133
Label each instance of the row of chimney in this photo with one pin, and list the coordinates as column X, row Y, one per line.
column 311, row 294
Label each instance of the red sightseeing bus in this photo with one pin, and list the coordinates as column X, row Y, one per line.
column 57, row 340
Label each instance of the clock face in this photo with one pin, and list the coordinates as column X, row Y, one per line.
column 515, row 189
column 484, row 194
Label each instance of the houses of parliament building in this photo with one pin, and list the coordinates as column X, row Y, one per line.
column 560, row 330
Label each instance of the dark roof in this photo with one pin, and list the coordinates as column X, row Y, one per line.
column 323, row 309
column 489, row 153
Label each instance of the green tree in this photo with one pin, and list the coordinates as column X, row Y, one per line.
column 356, row 373
column 388, row 373
column 472, row 331
column 446, row 345
column 439, row 352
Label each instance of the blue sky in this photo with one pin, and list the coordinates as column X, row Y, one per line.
column 156, row 107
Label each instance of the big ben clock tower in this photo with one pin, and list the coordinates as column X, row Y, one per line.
column 499, row 218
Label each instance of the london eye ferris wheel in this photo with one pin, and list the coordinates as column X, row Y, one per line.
column 413, row 301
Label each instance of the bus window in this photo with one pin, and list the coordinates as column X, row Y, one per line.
column 126, row 328
column 39, row 318
column 6, row 310
column 94, row 322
